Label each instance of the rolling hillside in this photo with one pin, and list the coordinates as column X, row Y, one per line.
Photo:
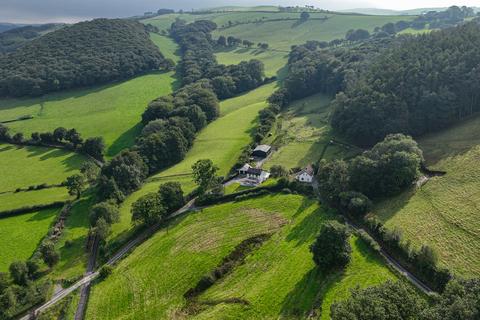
column 444, row 212
column 281, row 30
column 277, row 279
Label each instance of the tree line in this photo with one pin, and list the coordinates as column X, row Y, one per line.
column 84, row 54
column 60, row 137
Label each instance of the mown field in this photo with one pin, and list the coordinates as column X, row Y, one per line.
column 281, row 35
column 221, row 141
column 20, row 235
column 151, row 281
column 302, row 134
column 444, row 213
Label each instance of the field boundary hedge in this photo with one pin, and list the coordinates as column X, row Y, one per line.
column 28, row 209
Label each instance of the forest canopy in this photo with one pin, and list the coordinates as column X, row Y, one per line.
column 84, row 54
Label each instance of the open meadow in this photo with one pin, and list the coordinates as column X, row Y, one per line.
column 151, row 281
column 280, row 30
column 444, row 213
column 221, row 141
column 112, row 111
column 24, row 166
column 21, row 234
column 302, row 135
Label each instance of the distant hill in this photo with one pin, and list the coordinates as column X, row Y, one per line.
column 14, row 38
column 388, row 12
column 8, row 26
column 83, row 54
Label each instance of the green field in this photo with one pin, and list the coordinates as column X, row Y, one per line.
column 167, row 46
column 302, row 133
column 11, row 200
column 73, row 255
column 280, row 34
column 150, row 282
column 274, row 61
column 221, row 141
column 21, row 167
column 20, row 235
column 444, row 212
column 112, row 111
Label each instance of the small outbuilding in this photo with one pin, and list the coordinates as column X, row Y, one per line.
column 243, row 170
column 306, row 175
column 262, row 151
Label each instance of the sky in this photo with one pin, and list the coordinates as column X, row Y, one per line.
column 42, row 11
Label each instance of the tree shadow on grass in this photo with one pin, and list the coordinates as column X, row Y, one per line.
column 35, row 151
column 391, row 206
column 125, row 140
column 308, row 228
column 44, row 214
column 303, row 297
column 6, row 148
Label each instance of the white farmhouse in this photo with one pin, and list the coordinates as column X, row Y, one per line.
column 306, row 175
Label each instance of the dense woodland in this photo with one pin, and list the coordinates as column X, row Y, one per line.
column 422, row 84
column 84, row 54
column 407, row 84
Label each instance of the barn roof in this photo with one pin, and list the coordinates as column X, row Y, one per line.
column 263, row 147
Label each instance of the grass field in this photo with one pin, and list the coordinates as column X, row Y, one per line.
column 274, row 61
column 221, row 141
column 21, row 167
column 302, row 133
column 167, row 46
column 71, row 245
column 444, row 213
column 112, row 111
column 20, row 235
column 150, row 282
column 9, row 201
column 281, row 34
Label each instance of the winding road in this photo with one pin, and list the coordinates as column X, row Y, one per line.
column 91, row 274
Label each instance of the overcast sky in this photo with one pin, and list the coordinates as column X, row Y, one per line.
column 40, row 11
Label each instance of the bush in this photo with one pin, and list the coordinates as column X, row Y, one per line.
column 105, row 271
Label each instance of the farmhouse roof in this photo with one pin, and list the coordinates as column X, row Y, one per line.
column 263, row 147
column 308, row 170
column 245, row 167
column 255, row 171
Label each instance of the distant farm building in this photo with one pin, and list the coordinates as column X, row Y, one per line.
column 262, row 151
column 306, row 175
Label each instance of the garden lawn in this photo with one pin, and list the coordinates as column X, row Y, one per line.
column 221, row 141
column 10, row 200
column 275, row 278
column 20, row 235
column 25, row 166
column 111, row 111
column 444, row 212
